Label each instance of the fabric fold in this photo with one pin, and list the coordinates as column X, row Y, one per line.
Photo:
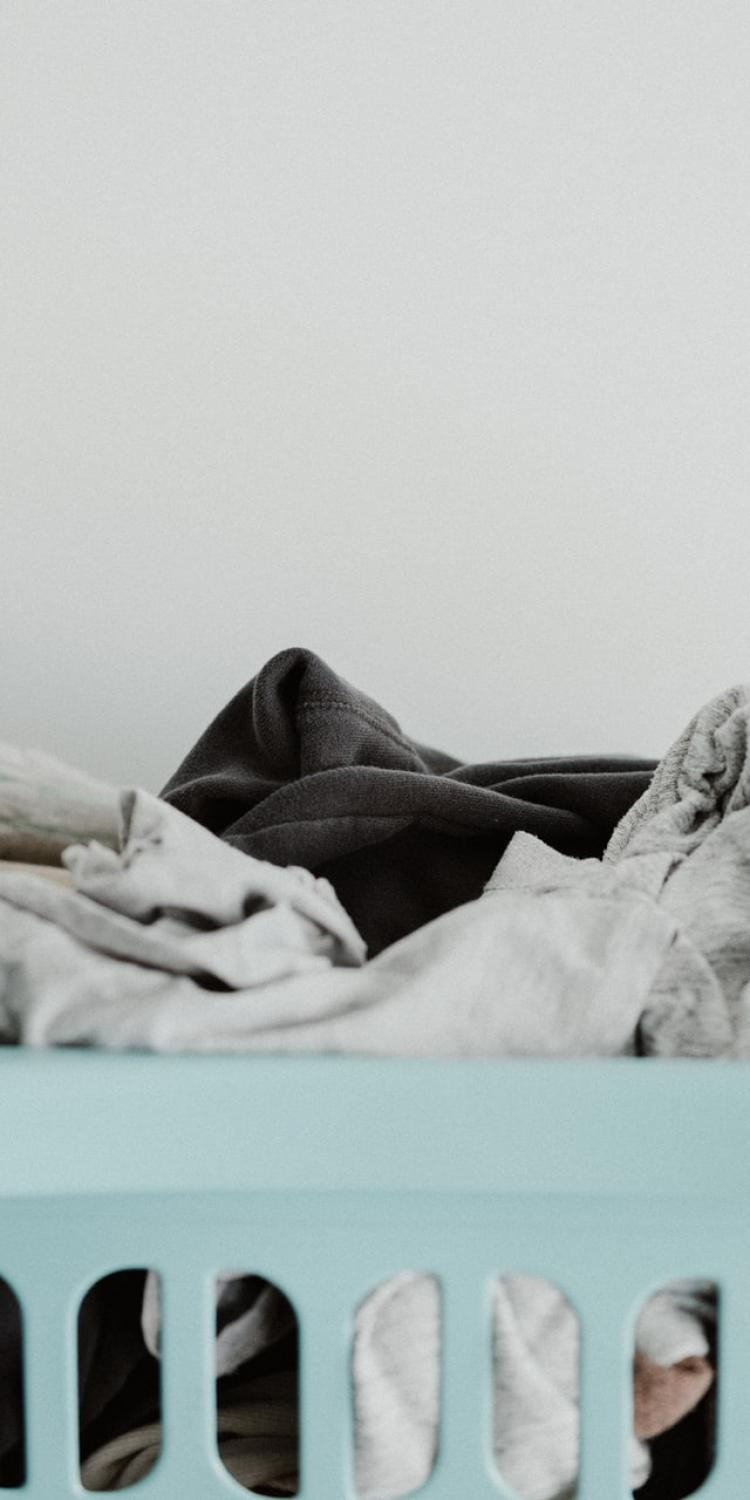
column 301, row 767
column 176, row 936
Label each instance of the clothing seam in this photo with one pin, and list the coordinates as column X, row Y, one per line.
column 339, row 705
column 407, row 816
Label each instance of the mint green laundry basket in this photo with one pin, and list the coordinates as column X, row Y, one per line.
column 329, row 1174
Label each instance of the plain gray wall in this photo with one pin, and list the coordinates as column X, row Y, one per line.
column 415, row 331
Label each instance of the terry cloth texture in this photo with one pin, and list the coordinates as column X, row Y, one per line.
column 302, row 768
column 698, row 807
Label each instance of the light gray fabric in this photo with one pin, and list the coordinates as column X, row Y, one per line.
column 395, row 1367
column 173, row 913
column 45, row 805
column 689, row 837
column 536, row 1376
column 654, row 937
column 171, row 873
column 123, row 960
column 704, row 776
column 648, row 948
column 698, row 809
column 690, row 1007
column 264, row 1317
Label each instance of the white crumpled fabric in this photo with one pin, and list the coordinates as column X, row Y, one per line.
column 647, row 949
column 396, row 1373
column 152, row 928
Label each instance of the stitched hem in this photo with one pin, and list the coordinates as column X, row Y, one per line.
column 339, row 705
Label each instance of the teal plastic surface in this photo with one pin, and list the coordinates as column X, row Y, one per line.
column 329, row 1174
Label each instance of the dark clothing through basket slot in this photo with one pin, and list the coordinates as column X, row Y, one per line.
column 302, row 768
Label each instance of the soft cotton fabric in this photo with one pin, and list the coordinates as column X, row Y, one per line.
column 257, row 1437
column 46, row 805
column 303, row 768
column 395, row 1367
column 644, row 950
column 173, row 914
column 133, row 972
column 251, row 1314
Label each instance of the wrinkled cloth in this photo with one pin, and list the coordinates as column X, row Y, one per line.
column 170, row 915
column 251, row 1316
column 303, row 768
column 172, row 907
column 117, row 1379
column 687, row 1008
column 691, row 832
column 46, row 805
column 646, row 949
column 560, row 957
column 698, row 808
column 124, row 959
column 395, row 1368
column 662, row 917
column 535, row 1380
column 257, row 1437
column 704, row 777
column 111, row 1354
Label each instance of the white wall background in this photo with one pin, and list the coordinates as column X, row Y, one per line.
column 415, row 331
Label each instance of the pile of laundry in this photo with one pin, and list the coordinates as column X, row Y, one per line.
column 236, row 911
